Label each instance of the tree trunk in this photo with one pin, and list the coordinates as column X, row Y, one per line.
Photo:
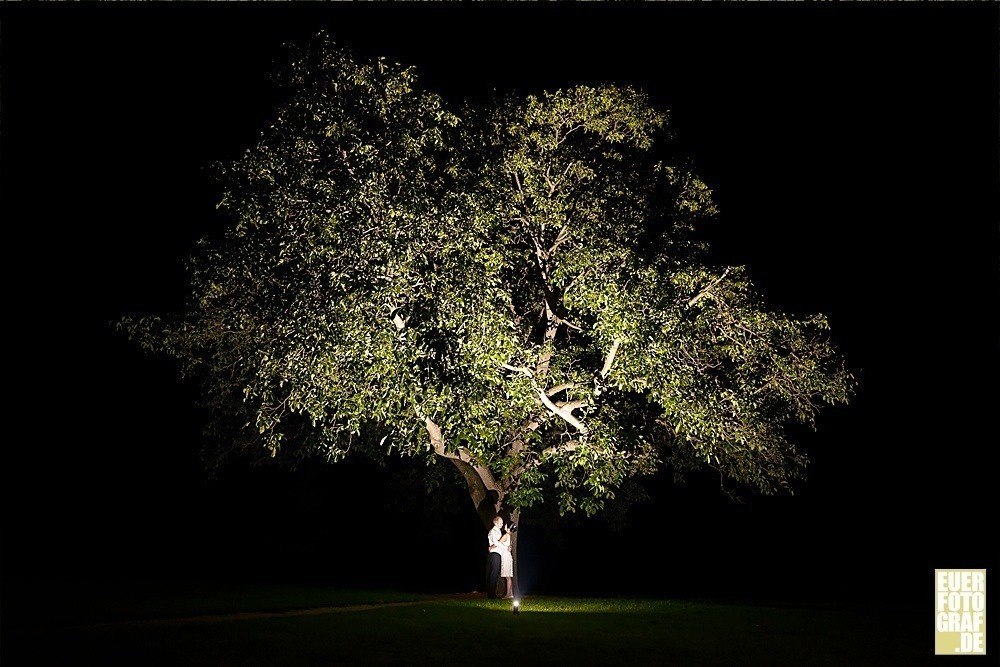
column 486, row 499
column 486, row 492
column 515, row 518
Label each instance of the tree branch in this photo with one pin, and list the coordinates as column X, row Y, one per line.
column 572, row 129
column 570, row 325
column 545, row 358
column 548, row 180
column 561, row 238
column 564, row 413
column 706, row 291
column 518, row 369
column 460, row 454
column 541, row 257
column 568, row 446
column 610, row 359
column 575, row 280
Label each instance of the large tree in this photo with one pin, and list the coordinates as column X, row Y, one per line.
column 515, row 287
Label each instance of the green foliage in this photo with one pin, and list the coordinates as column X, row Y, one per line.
column 523, row 275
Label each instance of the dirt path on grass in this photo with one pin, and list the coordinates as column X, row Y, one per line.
column 259, row 615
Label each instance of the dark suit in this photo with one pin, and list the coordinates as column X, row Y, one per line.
column 494, row 579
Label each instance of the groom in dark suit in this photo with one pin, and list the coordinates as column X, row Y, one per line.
column 494, row 578
column 493, row 538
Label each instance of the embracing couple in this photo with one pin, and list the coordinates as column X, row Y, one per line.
column 501, row 560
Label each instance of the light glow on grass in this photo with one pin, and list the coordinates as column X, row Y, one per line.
column 542, row 604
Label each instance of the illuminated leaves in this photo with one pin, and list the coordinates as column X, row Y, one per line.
column 523, row 274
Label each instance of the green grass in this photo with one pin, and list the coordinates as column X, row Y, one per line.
column 51, row 604
column 477, row 631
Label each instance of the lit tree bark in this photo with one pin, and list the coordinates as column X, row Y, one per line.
column 485, row 500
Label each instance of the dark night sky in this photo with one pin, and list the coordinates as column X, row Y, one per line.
column 853, row 151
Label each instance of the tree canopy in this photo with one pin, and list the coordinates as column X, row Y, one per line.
column 516, row 286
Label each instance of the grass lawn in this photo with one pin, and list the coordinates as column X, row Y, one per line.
column 465, row 630
column 52, row 604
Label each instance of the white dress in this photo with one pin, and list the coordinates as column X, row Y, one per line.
column 506, row 559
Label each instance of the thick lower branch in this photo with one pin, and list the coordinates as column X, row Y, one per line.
column 486, row 501
column 486, row 494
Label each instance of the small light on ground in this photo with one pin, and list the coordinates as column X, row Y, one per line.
column 517, row 606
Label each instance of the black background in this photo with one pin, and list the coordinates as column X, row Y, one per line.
column 853, row 152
